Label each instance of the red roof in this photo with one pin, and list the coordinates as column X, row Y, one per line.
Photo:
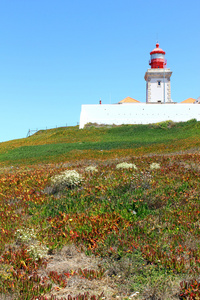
column 157, row 50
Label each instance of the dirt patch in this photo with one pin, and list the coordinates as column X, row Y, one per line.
column 69, row 259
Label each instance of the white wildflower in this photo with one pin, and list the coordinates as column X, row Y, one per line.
column 154, row 166
column 91, row 169
column 37, row 250
column 125, row 165
column 69, row 178
column 25, row 235
column 133, row 212
column 28, row 237
column 134, row 294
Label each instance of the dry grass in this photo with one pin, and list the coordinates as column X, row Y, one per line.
column 70, row 259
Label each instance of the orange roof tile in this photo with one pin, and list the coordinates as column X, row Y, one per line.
column 128, row 100
column 189, row 100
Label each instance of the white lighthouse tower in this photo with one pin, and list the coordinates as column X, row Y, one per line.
column 158, row 87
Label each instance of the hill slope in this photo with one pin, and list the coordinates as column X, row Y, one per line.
column 136, row 216
column 72, row 143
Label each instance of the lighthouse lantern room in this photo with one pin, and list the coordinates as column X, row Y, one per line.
column 158, row 87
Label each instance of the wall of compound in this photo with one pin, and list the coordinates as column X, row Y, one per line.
column 140, row 113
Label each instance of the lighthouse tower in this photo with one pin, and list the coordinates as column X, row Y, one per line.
column 158, row 87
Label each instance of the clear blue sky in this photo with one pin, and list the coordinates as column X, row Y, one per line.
column 56, row 55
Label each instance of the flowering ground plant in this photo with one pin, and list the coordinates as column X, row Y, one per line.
column 125, row 165
column 25, row 235
column 35, row 248
column 67, row 179
column 154, row 166
column 91, row 169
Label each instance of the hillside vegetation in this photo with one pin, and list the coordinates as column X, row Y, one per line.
column 61, row 144
column 101, row 213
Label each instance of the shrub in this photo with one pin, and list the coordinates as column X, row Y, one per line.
column 91, row 169
column 69, row 179
column 125, row 165
column 28, row 237
column 25, row 235
column 163, row 125
column 37, row 250
column 154, row 166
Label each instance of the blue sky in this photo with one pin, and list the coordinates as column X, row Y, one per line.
column 56, row 55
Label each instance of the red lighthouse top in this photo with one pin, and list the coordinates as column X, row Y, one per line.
column 157, row 58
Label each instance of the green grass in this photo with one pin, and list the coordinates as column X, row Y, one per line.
column 61, row 143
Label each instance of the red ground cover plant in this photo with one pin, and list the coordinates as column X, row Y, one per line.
column 190, row 289
column 113, row 213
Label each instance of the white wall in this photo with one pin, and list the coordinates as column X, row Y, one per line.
column 140, row 113
column 157, row 92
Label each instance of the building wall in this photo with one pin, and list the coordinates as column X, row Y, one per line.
column 156, row 92
column 140, row 113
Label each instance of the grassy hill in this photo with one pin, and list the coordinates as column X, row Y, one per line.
column 72, row 143
column 101, row 213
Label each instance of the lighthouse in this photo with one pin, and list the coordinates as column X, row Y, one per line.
column 158, row 86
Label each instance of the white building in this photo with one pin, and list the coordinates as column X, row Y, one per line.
column 158, row 107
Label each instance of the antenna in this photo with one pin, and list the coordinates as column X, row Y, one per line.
column 156, row 37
